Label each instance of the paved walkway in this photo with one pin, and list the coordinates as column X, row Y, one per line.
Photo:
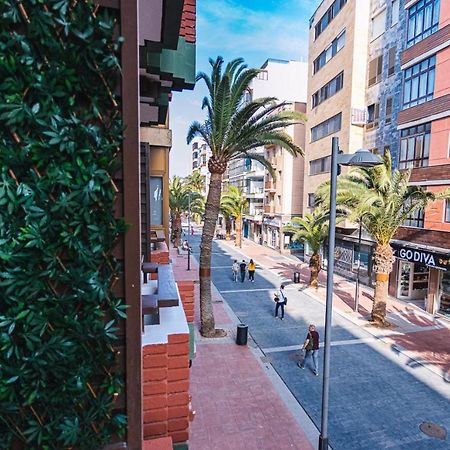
column 240, row 403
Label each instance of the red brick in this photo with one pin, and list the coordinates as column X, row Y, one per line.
column 155, row 429
column 155, row 375
column 178, row 424
column 177, row 374
column 178, row 362
column 164, row 443
column 156, row 415
column 178, row 349
column 178, row 399
column 158, row 387
column 179, row 436
column 178, row 338
column 155, row 402
column 155, row 349
column 155, row 361
column 178, row 411
column 177, row 386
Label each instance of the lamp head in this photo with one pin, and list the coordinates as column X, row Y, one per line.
column 364, row 158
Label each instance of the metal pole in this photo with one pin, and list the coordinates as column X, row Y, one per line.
column 323, row 438
column 242, row 227
column 359, row 267
column 189, row 231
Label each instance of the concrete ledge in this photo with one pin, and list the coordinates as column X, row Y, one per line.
column 164, row 443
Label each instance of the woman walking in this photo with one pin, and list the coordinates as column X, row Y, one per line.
column 251, row 271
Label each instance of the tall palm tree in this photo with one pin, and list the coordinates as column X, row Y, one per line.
column 232, row 130
column 312, row 229
column 179, row 193
column 381, row 199
column 196, row 182
column 233, row 204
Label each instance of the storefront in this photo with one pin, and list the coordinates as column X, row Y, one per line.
column 421, row 275
column 271, row 232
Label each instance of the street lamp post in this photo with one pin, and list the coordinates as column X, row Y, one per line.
column 189, row 230
column 361, row 158
column 358, row 267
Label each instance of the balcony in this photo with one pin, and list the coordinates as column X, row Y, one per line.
column 270, row 186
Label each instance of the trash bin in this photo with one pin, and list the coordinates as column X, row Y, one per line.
column 242, row 334
column 296, row 277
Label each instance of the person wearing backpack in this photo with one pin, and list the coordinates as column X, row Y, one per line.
column 311, row 347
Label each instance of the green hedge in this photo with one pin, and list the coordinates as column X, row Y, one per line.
column 60, row 132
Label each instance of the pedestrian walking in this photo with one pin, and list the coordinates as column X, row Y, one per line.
column 283, row 295
column 235, row 270
column 311, row 348
column 251, row 271
column 243, row 267
column 279, row 303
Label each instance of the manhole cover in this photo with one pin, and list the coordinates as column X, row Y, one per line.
column 266, row 359
column 433, row 430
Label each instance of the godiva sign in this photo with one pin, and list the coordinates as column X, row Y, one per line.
column 432, row 259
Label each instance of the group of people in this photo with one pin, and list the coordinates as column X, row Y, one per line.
column 239, row 270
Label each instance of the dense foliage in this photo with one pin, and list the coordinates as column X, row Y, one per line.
column 60, row 133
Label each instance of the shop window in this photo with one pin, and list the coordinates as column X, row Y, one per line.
column 418, row 84
column 156, row 201
column 444, row 303
column 423, row 20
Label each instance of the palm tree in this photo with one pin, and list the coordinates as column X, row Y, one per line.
column 382, row 200
column 233, row 204
column 179, row 200
column 196, row 182
column 312, row 229
column 232, row 130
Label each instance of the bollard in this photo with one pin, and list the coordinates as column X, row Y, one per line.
column 296, row 277
column 242, row 334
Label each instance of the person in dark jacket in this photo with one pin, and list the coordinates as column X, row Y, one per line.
column 243, row 267
column 311, row 347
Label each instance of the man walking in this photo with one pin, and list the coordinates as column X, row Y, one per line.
column 283, row 295
column 279, row 303
column 311, row 347
column 242, row 267
column 235, row 270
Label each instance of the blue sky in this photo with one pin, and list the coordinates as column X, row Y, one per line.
column 253, row 29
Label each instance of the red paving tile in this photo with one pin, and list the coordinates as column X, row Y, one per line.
column 236, row 405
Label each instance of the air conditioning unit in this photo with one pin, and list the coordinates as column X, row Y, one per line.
column 359, row 116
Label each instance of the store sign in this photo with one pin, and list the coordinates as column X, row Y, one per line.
column 272, row 222
column 431, row 259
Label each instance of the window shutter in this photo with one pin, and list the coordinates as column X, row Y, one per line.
column 391, row 69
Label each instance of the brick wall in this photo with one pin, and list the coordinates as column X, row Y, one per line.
column 166, row 389
column 186, row 289
column 187, row 29
column 160, row 255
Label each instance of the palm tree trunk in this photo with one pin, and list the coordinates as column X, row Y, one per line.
column 208, row 325
column 314, row 268
column 384, row 259
column 176, row 230
column 228, row 228
column 238, row 228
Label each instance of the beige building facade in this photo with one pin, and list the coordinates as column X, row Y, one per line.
column 338, row 46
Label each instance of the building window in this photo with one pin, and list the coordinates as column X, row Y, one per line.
column 373, row 116
column 423, row 20
column 263, row 75
column 415, row 146
column 330, row 14
column 320, row 165
column 388, row 111
column 391, row 66
column 156, row 201
column 327, row 91
column 415, row 219
column 375, row 70
column 329, row 52
column 378, row 25
column 311, row 200
column 418, row 86
column 326, row 128
column 447, row 211
column 395, row 12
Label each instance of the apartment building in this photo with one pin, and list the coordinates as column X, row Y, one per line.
column 422, row 268
column 337, row 63
column 200, row 157
column 285, row 80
